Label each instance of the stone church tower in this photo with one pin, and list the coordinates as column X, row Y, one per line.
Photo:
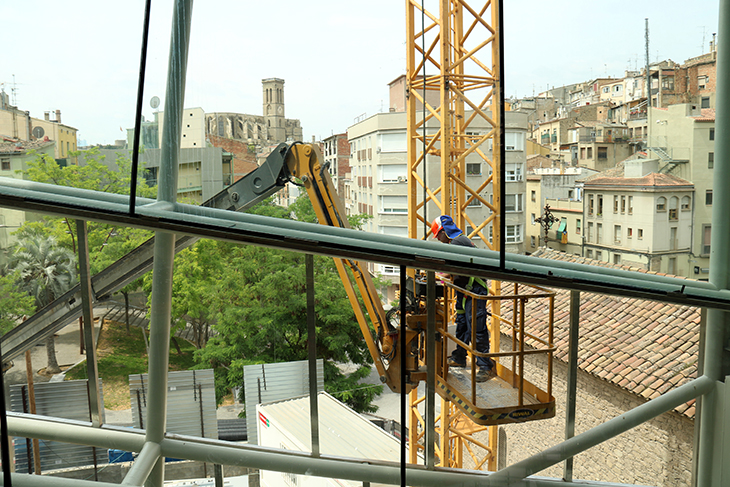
column 274, row 115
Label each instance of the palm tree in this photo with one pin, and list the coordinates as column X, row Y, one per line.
column 46, row 271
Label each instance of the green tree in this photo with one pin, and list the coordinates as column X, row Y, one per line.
column 45, row 271
column 261, row 316
column 107, row 243
column 259, row 302
column 14, row 303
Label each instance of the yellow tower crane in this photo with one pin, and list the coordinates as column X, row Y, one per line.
column 454, row 110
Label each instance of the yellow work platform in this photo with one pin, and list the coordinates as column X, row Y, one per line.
column 497, row 401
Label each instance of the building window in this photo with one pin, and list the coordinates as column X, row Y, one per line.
column 589, row 152
column 514, row 172
column 473, row 168
column 599, row 255
column 672, row 266
column 393, row 204
column 602, row 153
column 673, row 208
column 617, row 234
column 661, row 204
column 708, row 197
column 701, row 82
column 392, row 173
column 577, row 226
column 532, row 240
column 589, row 253
column 599, row 212
column 599, row 232
column 712, row 134
column 513, row 202
column 514, row 141
column 513, row 233
column 710, row 160
column 615, row 204
column 623, row 204
column 532, row 218
column 685, row 203
column 631, row 205
column 533, row 196
column 589, row 237
column 5, row 162
column 640, row 234
column 629, row 232
column 705, row 102
column 474, row 203
column 617, row 259
column 590, row 204
column 706, row 238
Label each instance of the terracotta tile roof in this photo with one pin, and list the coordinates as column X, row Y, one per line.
column 537, row 160
column 643, row 347
column 614, row 172
column 9, row 145
column 652, row 179
column 707, row 115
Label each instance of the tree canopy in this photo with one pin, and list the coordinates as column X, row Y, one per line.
column 107, row 243
column 259, row 302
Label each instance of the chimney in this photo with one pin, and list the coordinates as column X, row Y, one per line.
column 47, row 116
column 58, row 116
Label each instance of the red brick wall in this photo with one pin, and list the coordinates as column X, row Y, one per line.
column 243, row 161
column 343, row 162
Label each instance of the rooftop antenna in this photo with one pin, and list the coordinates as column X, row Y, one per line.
column 13, row 91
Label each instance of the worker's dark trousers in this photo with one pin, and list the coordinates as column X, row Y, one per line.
column 463, row 326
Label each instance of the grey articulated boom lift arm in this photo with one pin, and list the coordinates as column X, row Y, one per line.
column 136, row 263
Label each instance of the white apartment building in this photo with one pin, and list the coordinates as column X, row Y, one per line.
column 639, row 218
column 193, row 128
column 378, row 182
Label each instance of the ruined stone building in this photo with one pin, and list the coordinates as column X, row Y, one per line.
column 268, row 129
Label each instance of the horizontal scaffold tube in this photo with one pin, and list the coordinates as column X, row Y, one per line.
column 353, row 244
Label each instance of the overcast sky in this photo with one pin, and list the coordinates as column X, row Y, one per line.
column 337, row 57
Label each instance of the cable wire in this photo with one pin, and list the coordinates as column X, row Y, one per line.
column 138, row 115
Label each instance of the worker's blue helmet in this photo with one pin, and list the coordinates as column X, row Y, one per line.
column 446, row 223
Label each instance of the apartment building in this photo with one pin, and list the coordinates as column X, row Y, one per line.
column 639, row 217
column 682, row 138
column 598, row 145
column 336, row 153
column 378, row 182
column 18, row 124
column 561, row 189
column 193, row 128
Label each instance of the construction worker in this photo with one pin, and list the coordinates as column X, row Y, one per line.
column 445, row 230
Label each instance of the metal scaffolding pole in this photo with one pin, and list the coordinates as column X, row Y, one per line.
column 712, row 428
column 602, row 432
column 88, row 311
column 150, row 466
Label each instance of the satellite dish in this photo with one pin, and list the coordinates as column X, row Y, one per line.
column 38, row 132
column 155, row 102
